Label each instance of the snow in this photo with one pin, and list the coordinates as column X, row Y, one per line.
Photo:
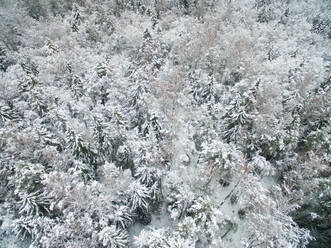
column 212, row 120
column 7, row 238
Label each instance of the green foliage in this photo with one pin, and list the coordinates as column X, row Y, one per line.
column 152, row 53
column 28, row 177
column 76, row 21
column 24, row 227
column 11, row 32
column 203, row 92
column 179, row 200
column 112, row 237
column 8, row 114
column 150, row 127
column 36, row 9
column 29, row 83
column 147, row 175
column 234, row 77
column 319, row 141
column 52, row 48
column 265, row 11
column 147, row 35
column 4, row 61
column 80, row 149
column 122, row 216
column 322, row 26
column 153, row 238
column 139, row 196
column 77, row 86
column 29, row 67
column 235, row 118
column 31, row 90
column 34, row 204
column 316, row 212
column 201, row 211
column 151, row 178
column 49, row 138
column 101, row 70
column 37, row 102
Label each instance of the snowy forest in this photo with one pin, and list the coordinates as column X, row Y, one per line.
column 165, row 123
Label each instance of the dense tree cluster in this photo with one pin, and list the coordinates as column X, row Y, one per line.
column 165, row 123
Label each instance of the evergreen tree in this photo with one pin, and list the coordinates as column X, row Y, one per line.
column 165, row 123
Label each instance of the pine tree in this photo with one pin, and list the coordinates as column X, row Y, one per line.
column 29, row 67
column 4, row 63
column 101, row 70
column 76, row 21
column 80, row 149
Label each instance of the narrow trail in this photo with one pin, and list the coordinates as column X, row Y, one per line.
column 181, row 140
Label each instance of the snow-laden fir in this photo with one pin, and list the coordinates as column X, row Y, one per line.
column 165, row 123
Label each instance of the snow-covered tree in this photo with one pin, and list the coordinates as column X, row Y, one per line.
column 165, row 123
